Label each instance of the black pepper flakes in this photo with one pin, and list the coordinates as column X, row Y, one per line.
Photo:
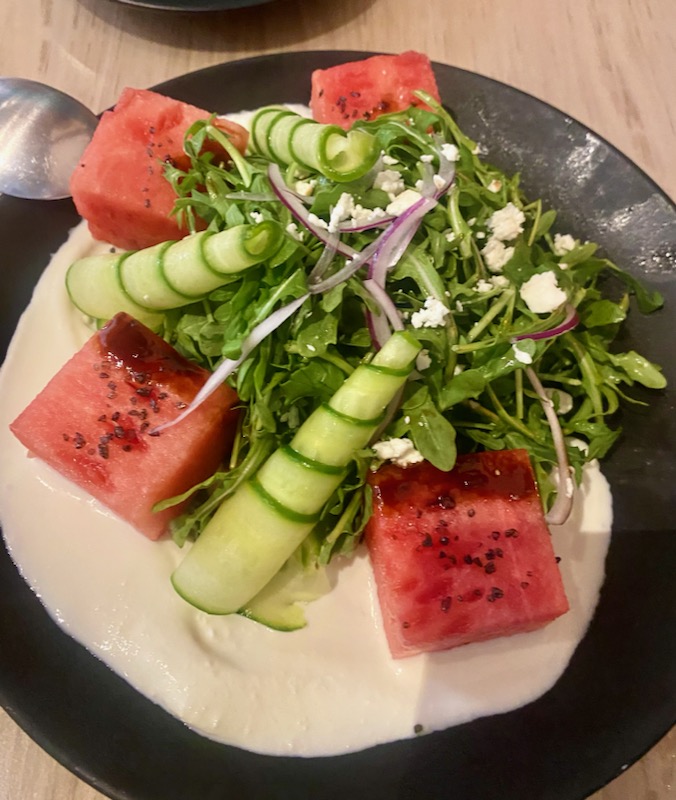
column 418, row 728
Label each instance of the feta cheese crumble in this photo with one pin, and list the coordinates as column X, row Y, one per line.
column 342, row 210
column 496, row 255
column 305, row 188
column 257, row 217
column 400, row 451
column 542, row 294
column 495, row 185
column 450, row 152
column 507, row 223
column 389, row 160
column 390, row 182
column 432, row 315
column 563, row 244
column 484, row 286
column 405, row 200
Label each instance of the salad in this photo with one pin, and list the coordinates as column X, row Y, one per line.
column 392, row 247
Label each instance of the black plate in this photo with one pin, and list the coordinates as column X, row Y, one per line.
column 195, row 5
column 614, row 701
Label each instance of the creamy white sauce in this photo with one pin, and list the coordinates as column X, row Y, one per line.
column 330, row 688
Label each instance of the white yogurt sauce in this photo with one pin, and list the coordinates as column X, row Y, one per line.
column 328, row 689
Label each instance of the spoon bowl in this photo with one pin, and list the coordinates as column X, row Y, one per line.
column 43, row 133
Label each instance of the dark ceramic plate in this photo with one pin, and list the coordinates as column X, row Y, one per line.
column 195, row 5
column 615, row 700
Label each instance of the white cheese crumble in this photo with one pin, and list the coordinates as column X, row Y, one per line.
column 364, row 216
column 563, row 243
column 390, row 182
column 256, row 216
column 484, row 286
column 292, row 230
column 400, row 451
column 432, row 315
column 342, row 210
column 405, row 200
column 318, row 221
column 496, row 255
column 450, row 237
column 450, row 152
column 542, row 294
column 305, row 188
column 521, row 355
column 507, row 223
column 389, row 160
column 438, row 182
column 495, row 185
column 427, row 158
column 499, row 281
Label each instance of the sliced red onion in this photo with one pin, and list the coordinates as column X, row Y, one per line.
column 381, row 325
column 560, row 510
column 571, row 320
column 291, row 201
column 392, row 243
column 229, row 365
column 347, row 227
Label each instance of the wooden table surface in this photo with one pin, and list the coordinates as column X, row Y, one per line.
column 611, row 64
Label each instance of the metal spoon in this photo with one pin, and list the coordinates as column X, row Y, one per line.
column 43, row 133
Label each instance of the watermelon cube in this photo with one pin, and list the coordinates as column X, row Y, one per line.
column 119, row 186
column 366, row 89
column 461, row 556
column 94, row 423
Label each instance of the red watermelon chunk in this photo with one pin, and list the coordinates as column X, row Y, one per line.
column 363, row 90
column 93, row 423
column 461, row 556
column 119, row 186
